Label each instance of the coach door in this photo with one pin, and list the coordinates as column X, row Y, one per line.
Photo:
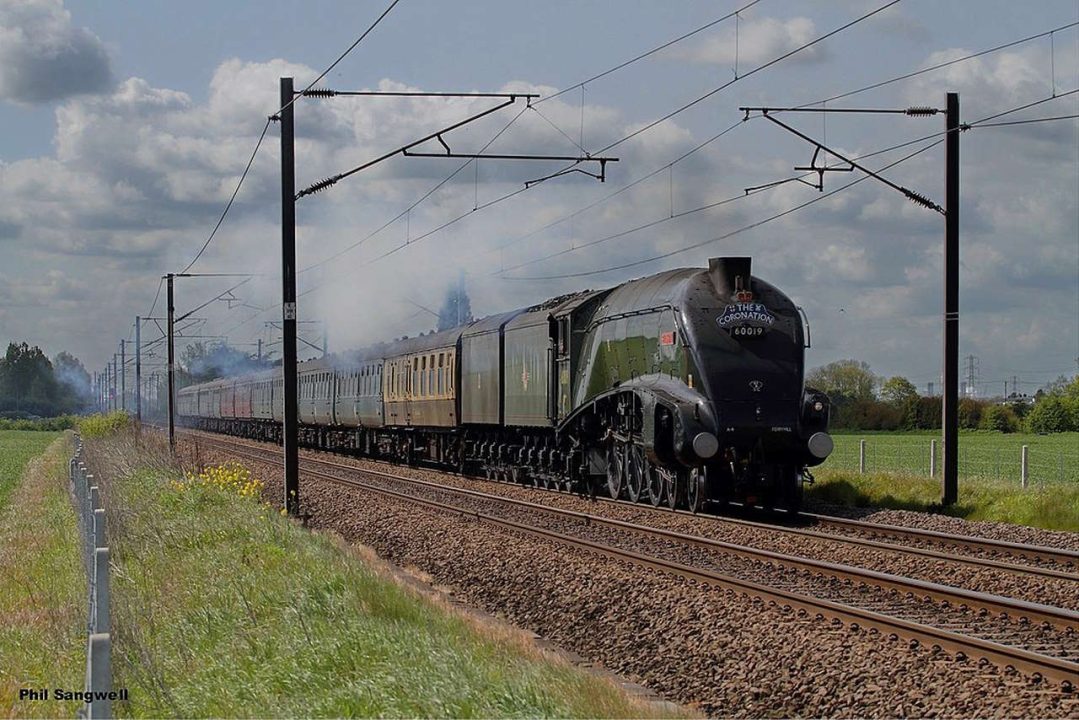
column 562, row 380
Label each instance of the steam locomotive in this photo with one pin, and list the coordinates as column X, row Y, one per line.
column 681, row 388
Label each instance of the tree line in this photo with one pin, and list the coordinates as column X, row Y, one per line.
column 32, row 385
column 862, row 400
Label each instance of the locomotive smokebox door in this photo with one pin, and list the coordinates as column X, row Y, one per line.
column 725, row 272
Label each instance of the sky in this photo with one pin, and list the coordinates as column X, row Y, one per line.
column 127, row 127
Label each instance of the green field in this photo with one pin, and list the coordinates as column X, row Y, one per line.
column 17, row 447
column 986, row 455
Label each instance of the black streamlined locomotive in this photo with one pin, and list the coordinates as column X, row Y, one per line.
column 684, row 387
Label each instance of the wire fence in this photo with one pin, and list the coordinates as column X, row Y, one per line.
column 92, row 531
column 1049, row 459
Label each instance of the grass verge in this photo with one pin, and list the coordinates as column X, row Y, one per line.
column 42, row 588
column 222, row 607
column 1055, row 506
column 17, row 447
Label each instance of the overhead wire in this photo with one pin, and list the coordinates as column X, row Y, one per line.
column 266, row 127
column 725, row 236
column 232, row 199
column 341, row 57
column 752, row 72
column 945, row 64
column 983, row 122
column 647, row 127
column 581, row 84
column 413, row 206
column 905, row 76
column 666, row 166
column 262, row 136
column 157, row 295
column 677, row 216
column 648, row 53
column 1028, row 122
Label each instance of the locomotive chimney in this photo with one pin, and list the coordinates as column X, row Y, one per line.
column 729, row 274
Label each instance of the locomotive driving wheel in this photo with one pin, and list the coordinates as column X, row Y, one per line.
column 616, row 468
column 696, row 489
column 636, row 472
column 657, row 484
column 660, row 485
column 674, row 482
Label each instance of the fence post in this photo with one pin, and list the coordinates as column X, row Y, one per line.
column 101, row 590
column 933, row 458
column 99, row 529
column 861, row 456
column 99, row 675
column 1024, row 468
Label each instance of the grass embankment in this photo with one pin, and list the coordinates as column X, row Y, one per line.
column 1052, row 506
column 17, row 447
column 42, row 583
column 222, row 607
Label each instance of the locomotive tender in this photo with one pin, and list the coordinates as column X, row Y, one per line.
column 679, row 388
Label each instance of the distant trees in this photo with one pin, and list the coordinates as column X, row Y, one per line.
column 844, row 380
column 898, row 406
column 31, row 385
column 898, row 391
column 1057, row 409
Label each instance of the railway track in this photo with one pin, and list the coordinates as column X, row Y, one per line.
column 1032, row 560
column 1042, row 555
column 1037, row 639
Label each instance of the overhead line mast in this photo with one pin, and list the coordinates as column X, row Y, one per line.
column 950, row 395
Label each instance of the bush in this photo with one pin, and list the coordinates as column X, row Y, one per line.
column 1051, row 414
column 1000, row 418
column 970, row 413
column 97, row 426
column 868, row 415
column 926, row 414
column 63, row 422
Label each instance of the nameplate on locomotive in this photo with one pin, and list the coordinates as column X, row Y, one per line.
column 746, row 319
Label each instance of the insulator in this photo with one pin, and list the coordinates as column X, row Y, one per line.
column 320, row 93
column 320, row 185
column 922, row 110
column 920, row 199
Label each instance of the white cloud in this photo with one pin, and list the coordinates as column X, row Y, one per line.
column 43, row 57
column 753, row 42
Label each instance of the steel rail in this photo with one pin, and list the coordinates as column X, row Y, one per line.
column 1037, row 552
column 961, row 646
column 1063, row 557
